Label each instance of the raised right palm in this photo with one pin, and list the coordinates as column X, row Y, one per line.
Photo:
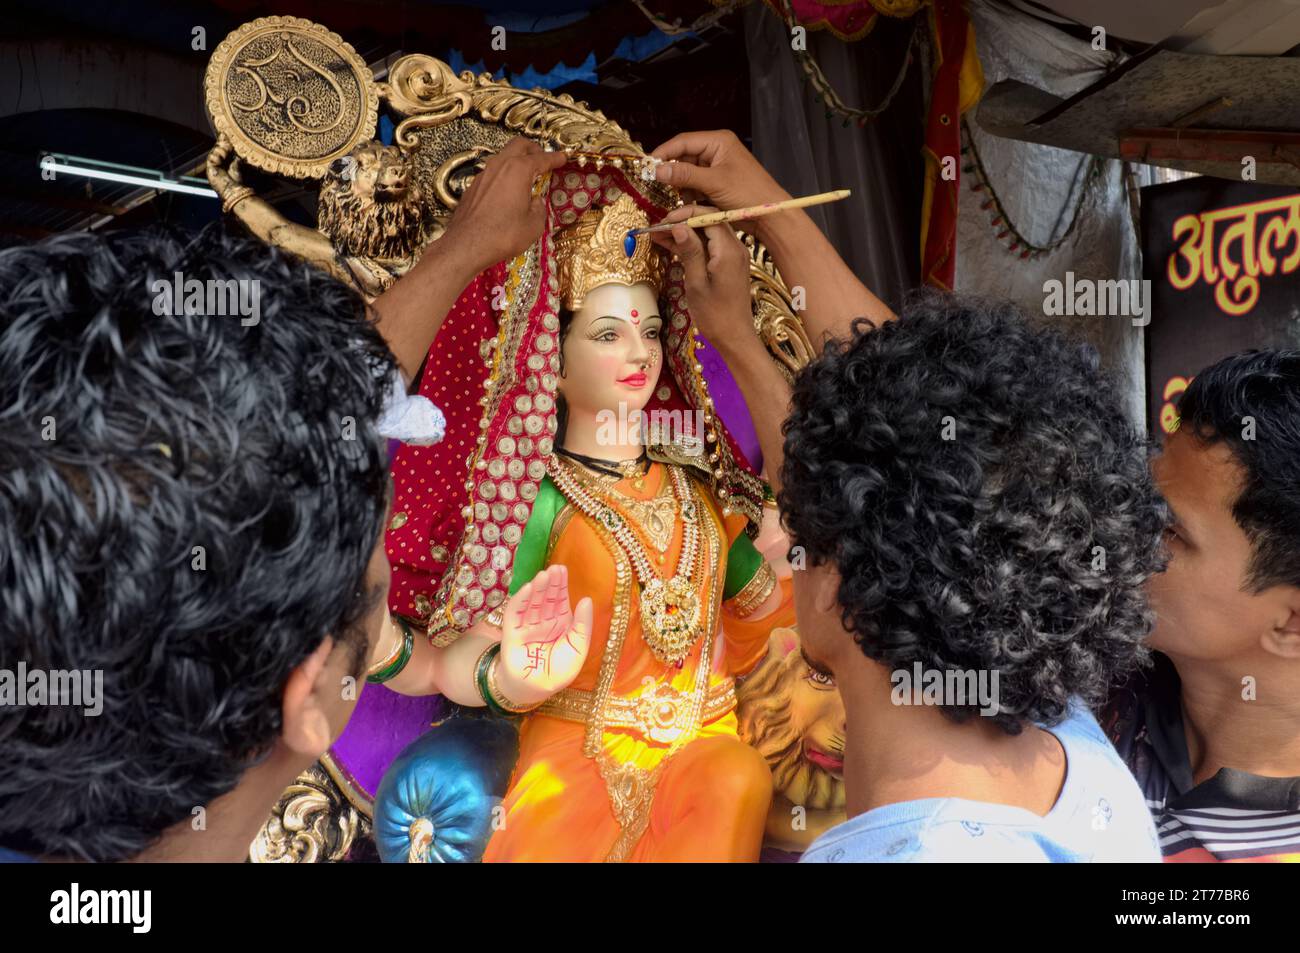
column 544, row 642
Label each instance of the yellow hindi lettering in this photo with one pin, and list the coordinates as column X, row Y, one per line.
column 1195, row 251
column 1278, row 233
column 1242, row 252
column 1238, row 289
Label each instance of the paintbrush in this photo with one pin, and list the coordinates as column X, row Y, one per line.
column 717, row 218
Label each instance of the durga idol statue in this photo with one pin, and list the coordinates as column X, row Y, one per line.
column 593, row 576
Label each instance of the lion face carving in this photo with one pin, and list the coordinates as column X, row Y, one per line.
column 794, row 717
column 370, row 207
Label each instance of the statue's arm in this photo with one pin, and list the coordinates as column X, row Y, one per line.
column 261, row 218
column 447, row 670
column 450, row 670
column 751, row 589
column 543, row 640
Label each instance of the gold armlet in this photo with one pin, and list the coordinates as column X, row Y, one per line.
column 234, row 197
column 754, row 593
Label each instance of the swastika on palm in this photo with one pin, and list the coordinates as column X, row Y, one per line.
column 536, row 657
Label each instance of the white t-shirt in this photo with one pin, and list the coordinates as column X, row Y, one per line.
column 1099, row 816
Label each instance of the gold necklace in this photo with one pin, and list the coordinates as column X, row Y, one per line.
column 670, row 609
column 654, row 517
column 610, row 471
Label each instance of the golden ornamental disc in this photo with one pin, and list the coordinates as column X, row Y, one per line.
column 290, row 95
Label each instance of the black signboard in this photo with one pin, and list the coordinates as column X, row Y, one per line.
column 1223, row 259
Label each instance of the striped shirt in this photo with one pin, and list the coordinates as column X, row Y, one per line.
column 1233, row 816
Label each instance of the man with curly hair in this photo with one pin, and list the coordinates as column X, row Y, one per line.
column 1210, row 730
column 970, row 499
column 181, row 518
column 975, row 521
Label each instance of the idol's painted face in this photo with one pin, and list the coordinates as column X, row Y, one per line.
column 612, row 352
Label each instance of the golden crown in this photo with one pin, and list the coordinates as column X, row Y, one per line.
column 590, row 252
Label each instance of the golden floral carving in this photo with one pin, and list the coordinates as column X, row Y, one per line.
column 312, row 823
column 775, row 320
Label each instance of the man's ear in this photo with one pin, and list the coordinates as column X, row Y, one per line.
column 306, row 725
column 1284, row 640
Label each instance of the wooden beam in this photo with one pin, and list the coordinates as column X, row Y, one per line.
column 1208, row 145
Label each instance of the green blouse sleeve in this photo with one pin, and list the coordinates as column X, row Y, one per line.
column 742, row 562
column 531, row 554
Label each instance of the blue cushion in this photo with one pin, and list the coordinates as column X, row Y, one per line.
column 441, row 790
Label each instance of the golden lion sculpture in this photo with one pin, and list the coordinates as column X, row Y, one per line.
column 372, row 218
column 369, row 206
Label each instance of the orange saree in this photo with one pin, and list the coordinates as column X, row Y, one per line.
column 639, row 759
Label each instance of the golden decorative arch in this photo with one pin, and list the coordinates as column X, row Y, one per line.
column 288, row 96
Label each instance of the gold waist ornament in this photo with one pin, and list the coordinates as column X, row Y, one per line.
column 660, row 712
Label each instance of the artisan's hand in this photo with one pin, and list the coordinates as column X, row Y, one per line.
column 543, row 642
column 717, row 273
column 718, row 166
column 499, row 216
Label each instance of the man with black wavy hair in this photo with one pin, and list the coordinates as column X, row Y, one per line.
column 192, row 575
column 978, row 521
column 1212, row 731
column 190, row 507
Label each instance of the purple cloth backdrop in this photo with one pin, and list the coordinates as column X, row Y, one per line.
column 729, row 403
column 383, row 723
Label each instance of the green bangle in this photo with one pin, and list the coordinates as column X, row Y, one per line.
column 392, row 669
column 481, row 679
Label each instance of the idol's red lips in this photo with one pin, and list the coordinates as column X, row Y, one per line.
column 635, row 380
